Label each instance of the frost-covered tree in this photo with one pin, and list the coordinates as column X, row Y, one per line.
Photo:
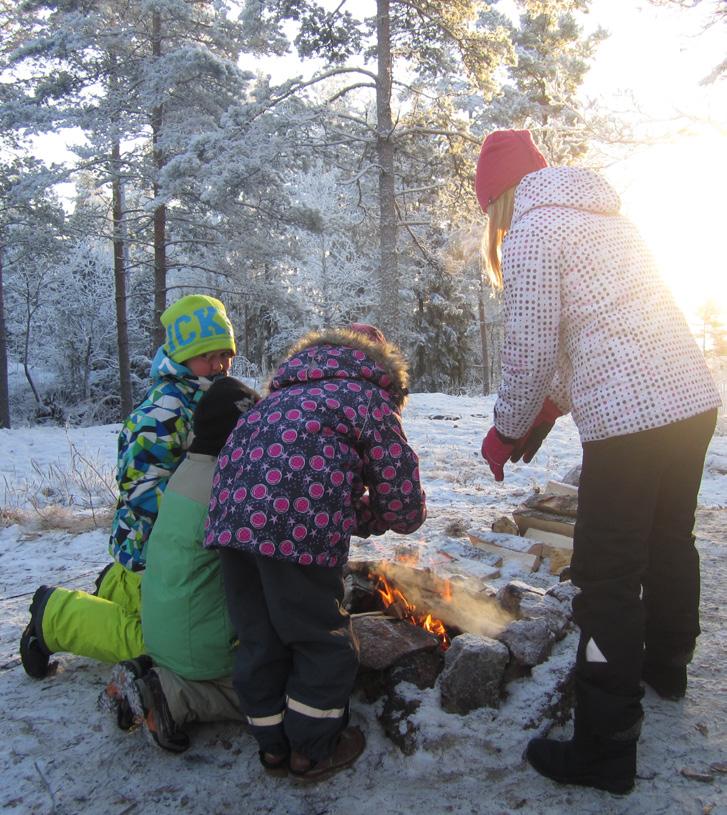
column 717, row 15
column 335, row 275
column 419, row 38
column 30, row 219
column 141, row 79
column 81, row 330
column 540, row 91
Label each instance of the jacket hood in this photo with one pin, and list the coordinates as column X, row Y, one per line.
column 570, row 187
column 357, row 357
column 164, row 367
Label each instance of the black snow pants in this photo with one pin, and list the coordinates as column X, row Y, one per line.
column 297, row 659
column 635, row 562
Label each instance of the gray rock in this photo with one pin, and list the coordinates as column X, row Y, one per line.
column 474, row 669
column 511, row 595
column 563, row 592
column 529, row 641
column 556, row 615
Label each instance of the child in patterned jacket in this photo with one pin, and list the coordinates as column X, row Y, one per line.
column 185, row 676
column 200, row 345
column 322, row 457
column 592, row 330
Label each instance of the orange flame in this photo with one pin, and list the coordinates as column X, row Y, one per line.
column 392, row 596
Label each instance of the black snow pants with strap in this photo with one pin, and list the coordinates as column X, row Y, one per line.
column 297, row 659
column 635, row 561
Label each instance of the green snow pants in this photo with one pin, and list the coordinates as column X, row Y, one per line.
column 106, row 627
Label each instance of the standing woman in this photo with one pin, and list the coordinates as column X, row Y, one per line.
column 591, row 329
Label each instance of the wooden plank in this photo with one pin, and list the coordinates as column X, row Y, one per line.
column 502, row 540
column 551, row 538
column 529, row 560
column 559, row 488
column 547, row 521
column 556, row 504
column 557, row 549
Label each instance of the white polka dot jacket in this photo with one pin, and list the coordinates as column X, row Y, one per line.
column 321, row 457
column 588, row 319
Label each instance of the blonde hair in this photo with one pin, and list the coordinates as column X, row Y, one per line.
column 499, row 218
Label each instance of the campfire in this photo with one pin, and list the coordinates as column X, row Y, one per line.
column 417, row 626
column 397, row 605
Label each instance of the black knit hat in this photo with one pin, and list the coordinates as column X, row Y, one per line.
column 217, row 413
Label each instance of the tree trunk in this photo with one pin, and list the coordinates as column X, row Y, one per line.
column 483, row 339
column 26, row 354
column 246, row 333
column 389, row 268
column 86, row 384
column 160, row 212
column 325, row 287
column 122, row 324
column 4, row 389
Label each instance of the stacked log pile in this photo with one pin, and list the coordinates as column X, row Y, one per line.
column 541, row 529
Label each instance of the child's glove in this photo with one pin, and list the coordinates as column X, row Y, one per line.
column 529, row 444
column 496, row 450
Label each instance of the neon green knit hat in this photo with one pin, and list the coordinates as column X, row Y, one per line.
column 195, row 325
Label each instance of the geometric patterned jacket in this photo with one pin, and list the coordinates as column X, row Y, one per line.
column 152, row 443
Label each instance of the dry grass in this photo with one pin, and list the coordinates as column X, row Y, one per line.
column 78, row 498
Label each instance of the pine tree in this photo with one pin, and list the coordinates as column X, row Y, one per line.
column 431, row 38
column 30, row 218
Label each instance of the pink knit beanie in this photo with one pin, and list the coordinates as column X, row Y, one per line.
column 505, row 158
column 369, row 331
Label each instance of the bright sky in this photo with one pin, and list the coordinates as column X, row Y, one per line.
column 674, row 191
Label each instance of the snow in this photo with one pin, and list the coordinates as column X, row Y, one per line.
column 61, row 755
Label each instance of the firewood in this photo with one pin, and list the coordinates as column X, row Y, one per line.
column 527, row 518
column 384, row 642
column 556, row 504
column 560, row 488
column 529, row 559
column 558, row 549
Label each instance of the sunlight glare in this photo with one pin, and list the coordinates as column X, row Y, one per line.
column 675, row 196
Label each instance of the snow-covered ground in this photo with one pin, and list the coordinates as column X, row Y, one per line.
column 61, row 755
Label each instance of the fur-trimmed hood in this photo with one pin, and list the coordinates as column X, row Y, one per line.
column 341, row 353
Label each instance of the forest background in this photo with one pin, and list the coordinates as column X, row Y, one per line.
column 308, row 163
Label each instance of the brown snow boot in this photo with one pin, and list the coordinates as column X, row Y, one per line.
column 349, row 746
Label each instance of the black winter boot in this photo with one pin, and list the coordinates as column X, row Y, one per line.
column 604, row 763
column 34, row 653
column 669, row 681
column 602, row 752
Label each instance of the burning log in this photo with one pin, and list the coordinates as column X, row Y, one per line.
column 458, row 603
